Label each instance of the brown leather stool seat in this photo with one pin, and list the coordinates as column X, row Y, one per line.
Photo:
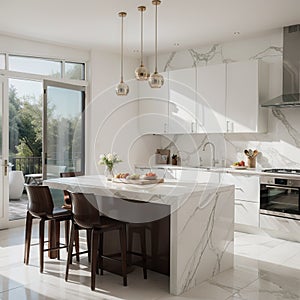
column 40, row 206
column 86, row 215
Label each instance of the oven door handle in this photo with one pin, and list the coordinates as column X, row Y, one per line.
column 282, row 187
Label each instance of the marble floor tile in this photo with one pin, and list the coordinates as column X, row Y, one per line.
column 265, row 290
column 264, row 268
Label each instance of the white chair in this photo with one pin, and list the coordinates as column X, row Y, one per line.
column 16, row 184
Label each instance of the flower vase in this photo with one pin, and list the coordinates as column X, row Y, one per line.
column 109, row 173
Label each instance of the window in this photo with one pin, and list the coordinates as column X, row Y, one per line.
column 34, row 65
column 74, row 71
column 2, row 61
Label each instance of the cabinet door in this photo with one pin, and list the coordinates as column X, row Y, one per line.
column 246, row 186
column 242, row 103
column 153, row 107
column 246, row 213
column 211, row 96
column 182, row 105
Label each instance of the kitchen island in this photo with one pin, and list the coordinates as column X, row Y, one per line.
column 201, row 220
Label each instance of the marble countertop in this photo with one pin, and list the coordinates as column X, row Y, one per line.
column 164, row 193
column 248, row 171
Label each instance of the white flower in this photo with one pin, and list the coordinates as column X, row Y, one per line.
column 110, row 157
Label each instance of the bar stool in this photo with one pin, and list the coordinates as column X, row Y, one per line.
column 67, row 205
column 87, row 216
column 40, row 206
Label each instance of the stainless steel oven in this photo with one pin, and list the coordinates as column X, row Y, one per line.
column 280, row 195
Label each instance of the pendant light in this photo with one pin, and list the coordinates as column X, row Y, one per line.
column 141, row 73
column 156, row 80
column 122, row 88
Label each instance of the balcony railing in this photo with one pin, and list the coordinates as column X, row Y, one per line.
column 33, row 164
column 29, row 165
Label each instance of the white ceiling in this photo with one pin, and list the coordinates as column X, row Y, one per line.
column 95, row 23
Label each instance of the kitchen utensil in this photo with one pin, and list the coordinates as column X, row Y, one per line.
column 255, row 152
column 246, row 152
column 250, row 152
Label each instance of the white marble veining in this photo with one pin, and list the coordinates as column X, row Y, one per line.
column 201, row 221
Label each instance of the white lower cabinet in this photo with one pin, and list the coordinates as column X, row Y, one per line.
column 246, row 197
column 281, row 227
column 246, row 213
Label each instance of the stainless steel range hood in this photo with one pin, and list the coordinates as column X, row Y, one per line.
column 291, row 70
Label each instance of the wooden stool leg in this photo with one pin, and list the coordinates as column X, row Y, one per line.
column 28, row 230
column 101, row 253
column 88, row 240
column 77, row 247
column 67, row 232
column 41, row 242
column 123, row 243
column 70, row 250
column 94, row 256
column 144, row 253
column 57, row 238
column 130, row 240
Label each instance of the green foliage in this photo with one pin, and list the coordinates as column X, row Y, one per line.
column 25, row 125
column 64, row 136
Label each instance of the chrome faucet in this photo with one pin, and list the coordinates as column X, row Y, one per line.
column 214, row 161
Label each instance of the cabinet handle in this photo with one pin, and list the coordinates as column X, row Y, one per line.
column 239, row 189
column 165, row 127
column 227, row 126
column 192, row 127
column 231, row 127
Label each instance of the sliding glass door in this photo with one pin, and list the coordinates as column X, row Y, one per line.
column 3, row 153
column 63, row 128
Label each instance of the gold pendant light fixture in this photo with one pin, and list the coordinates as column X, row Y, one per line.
column 156, row 80
column 122, row 88
column 141, row 73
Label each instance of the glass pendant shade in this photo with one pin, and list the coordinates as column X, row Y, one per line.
column 141, row 72
column 156, row 80
column 122, row 88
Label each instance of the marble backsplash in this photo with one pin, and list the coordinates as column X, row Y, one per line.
column 279, row 147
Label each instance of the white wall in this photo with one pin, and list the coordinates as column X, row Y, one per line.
column 33, row 48
column 112, row 120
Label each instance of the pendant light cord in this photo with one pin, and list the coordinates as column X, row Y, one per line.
column 122, row 49
column 156, row 37
column 142, row 37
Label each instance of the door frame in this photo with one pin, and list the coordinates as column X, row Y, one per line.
column 4, row 193
column 58, row 84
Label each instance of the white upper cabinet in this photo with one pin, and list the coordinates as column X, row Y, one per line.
column 211, row 99
column 153, row 107
column 211, row 96
column 246, row 83
column 182, row 104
